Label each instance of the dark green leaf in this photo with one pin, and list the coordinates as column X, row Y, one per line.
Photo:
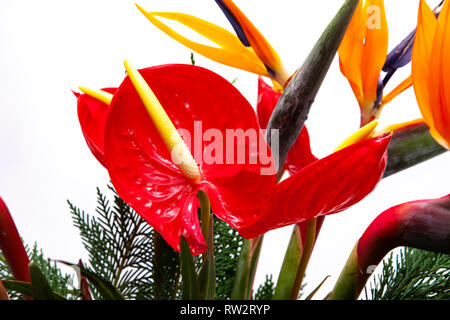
column 289, row 267
column 191, row 288
column 24, row 288
column 59, row 281
column 240, row 285
column 40, row 287
column 207, row 274
column 18, row 286
column 105, row 288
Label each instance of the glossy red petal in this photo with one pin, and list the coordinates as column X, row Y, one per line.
column 267, row 100
column 92, row 114
column 300, row 154
column 11, row 245
column 327, row 186
column 141, row 169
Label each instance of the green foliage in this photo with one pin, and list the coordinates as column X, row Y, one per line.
column 59, row 282
column 265, row 290
column 227, row 243
column 414, row 275
column 166, row 272
column 120, row 246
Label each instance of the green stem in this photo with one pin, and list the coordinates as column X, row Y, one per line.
column 207, row 273
column 205, row 214
column 306, row 255
column 346, row 287
column 290, row 266
column 410, row 146
column 246, row 269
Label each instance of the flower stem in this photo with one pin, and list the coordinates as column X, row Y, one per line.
column 307, row 250
column 205, row 213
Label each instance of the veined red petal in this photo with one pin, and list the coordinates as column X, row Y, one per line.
column 327, row 186
column 267, row 100
column 11, row 245
column 300, row 154
column 92, row 114
column 203, row 107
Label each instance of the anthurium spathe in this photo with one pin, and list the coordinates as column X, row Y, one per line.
column 247, row 50
column 146, row 176
column 431, row 70
column 93, row 108
column 326, row 186
column 144, row 173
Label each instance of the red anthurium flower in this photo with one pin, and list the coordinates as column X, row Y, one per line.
column 11, row 245
column 267, row 100
column 139, row 153
column 92, row 113
column 300, row 154
column 141, row 141
column 326, row 186
column 142, row 169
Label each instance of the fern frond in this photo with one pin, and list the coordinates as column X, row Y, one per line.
column 120, row 245
column 60, row 282
column 266, row 290
column 414, row 275
column 228, row 244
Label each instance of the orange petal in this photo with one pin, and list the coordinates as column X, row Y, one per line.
column 260, row 45
column 350, row 51
column 440, row 73
column 405, row 84
column 229, row 51
column 426, row 28
column 375, row 48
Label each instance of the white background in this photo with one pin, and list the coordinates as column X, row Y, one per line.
column 50, row 47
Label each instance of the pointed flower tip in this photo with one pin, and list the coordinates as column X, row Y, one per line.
column 101, row 95
column 142, row 10
column 359, row 135
column 76, row 94
column 181, row 155
column 398, row 126
column 249, row 35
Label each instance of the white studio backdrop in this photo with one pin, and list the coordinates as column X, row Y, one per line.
column 49, row 47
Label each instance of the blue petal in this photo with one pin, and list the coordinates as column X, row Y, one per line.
column 401, row 55
column 234, row 22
